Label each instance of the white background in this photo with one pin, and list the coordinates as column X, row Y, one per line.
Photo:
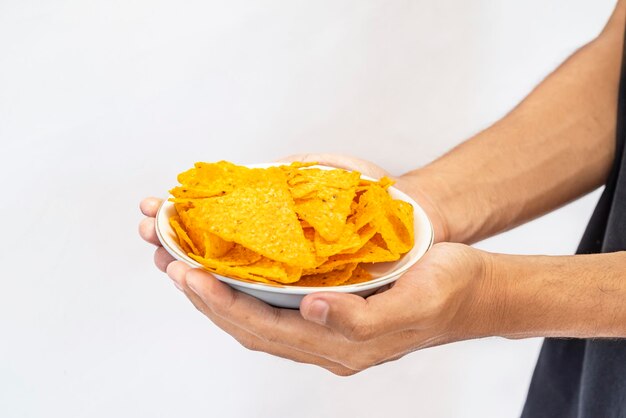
column 103, row 102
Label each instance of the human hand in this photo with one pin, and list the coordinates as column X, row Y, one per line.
column 385, row 328
column 443, row 298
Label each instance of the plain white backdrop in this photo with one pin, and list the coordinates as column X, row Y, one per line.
column 103, row 102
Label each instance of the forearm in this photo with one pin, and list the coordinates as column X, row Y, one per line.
column 557, row 145
column 582, row 296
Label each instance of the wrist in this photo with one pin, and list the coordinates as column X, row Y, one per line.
column 466, row 294
column 483, row 300
column 415, row 184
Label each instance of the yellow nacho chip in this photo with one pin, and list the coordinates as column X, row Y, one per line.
column 359, row 275
column 183, row 239
column 261, row 218
column 263, row 269
column 348, row 239
column 327, row 211
column 198, row 192
column 369, row 253
column 384, row 182
column 339, row 179
column 397, row 235
column 206, row 243
column 404, row 212
column 371, row 205
column 332, row 278
column 365, row 234
column 292, row 225
column 239, row 255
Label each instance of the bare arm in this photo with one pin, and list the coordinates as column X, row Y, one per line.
column 556, row 145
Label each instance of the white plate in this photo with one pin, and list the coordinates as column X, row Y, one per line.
column 290, row 296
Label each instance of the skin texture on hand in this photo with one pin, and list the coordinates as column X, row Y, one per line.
column 433, row 303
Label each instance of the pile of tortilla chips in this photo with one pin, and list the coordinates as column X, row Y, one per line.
column 290, row 224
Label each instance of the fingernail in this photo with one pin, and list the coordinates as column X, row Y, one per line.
column 318, row 311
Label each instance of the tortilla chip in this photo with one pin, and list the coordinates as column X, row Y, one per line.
column 239, row 255
column 261, row 218
column 205, row 242
column 339, row 179
column 333, row 278
column 327, row 211
column 348, row 239
column 183, row 239
column 359, row 275
column 397, row 235
column 369, row 253
column 290, row 225
column 262, row 270
column 371, row 205
column 365, row 234
column 198, row 192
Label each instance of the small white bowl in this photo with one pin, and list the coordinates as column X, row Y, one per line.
column 290, row 296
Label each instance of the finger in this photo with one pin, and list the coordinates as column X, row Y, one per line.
column 148, row 232
column 252, row 342
column 360, row 319
column 150, row 205
column 279, row 326
column 162, row 259
column 176, row 271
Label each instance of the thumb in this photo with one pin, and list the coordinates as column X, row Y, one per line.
column 356, row 318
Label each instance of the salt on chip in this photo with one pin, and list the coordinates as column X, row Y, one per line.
column 206, row 243
column 332, row 278
column 239, row 255
column 198, row 192
column 289, row 225
column 359, row 275
column 404, row 212
column 365, row 234
column 397, row 235
column 369, row 253
column 261, row 218
column 348, row 239
column 263, row 270
column 393, row 219
column 371, row 205
column 327, row 211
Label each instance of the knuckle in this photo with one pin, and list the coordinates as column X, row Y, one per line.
column 222, row 307
column 446, row 247
column 360, row 331
column 367, row 357
column 273, row 320
column 249, row 344
column 342, row 371
column 358, row 363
